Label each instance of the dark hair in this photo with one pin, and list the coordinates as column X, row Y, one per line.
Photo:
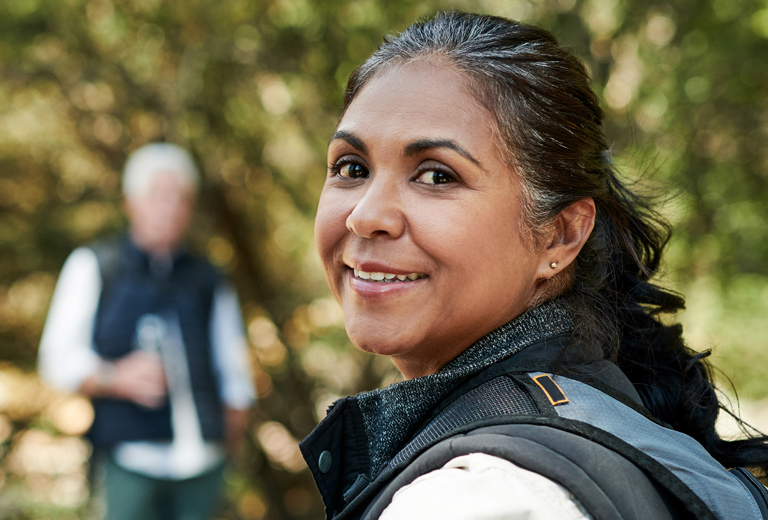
column 549, row 125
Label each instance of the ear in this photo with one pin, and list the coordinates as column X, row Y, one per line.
column 567, row 236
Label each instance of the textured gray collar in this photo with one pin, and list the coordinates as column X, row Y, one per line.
column 391, row 414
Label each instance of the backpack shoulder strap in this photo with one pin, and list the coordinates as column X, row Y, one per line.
column 758, row 490
column 513, row 401
column 608, row 485
column 722, row 492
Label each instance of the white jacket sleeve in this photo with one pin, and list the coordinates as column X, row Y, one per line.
column 66, row 356
column 229, row 350
column 483, row 487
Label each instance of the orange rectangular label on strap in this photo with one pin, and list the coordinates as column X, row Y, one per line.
column 553, row 392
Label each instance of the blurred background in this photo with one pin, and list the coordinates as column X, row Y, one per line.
column 253, row 88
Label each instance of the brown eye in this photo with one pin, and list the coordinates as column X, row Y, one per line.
column 352, row 171
column 435, row 177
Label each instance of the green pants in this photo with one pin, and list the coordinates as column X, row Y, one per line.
column 131, row 496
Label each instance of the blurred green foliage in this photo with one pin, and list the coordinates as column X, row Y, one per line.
column 253, row 88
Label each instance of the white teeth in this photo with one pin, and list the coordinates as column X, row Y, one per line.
column 386, row 277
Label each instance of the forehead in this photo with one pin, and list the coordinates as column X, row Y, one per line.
column 162, row 183
column 424, row 98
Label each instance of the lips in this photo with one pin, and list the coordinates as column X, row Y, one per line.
column 373, row 280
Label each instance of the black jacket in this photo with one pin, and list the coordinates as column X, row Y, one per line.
column 607, row 449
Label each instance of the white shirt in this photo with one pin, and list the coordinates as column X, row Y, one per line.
column 483, row 487
column 67, row 357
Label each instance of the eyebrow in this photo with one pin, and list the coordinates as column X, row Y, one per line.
column 352, row 139
column 427, row 144
column 413, row 148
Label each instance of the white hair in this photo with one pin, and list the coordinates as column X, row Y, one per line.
column 151, row 159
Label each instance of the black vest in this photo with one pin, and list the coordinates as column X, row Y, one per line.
column 629, row 466
column 131, row 289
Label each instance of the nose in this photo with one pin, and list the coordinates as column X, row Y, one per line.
column 379, row 212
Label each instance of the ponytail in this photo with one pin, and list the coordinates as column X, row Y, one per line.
column 615, row 303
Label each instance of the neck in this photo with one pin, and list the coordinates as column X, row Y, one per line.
column 412, row 369
column 426, row 362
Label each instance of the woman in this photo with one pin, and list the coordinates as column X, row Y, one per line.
column 474, row 230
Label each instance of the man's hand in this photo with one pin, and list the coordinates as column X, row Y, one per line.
column 137, row 377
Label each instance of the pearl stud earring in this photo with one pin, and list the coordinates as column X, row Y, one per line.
column 553, row 265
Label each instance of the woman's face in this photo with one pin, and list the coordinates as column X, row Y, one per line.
column 419, row 225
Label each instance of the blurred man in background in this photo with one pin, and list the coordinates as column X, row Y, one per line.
column 153, row 335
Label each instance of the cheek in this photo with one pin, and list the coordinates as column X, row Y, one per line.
column 141, row 216
column 181, row 210
column 183, row 219
column 330, row 228
column 481, row 246
column 171, row 216
column 479, row 232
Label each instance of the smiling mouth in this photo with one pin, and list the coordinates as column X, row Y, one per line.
column 387, row 277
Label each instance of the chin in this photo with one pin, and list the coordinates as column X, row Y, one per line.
column 372, row 346
column 382, row 343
